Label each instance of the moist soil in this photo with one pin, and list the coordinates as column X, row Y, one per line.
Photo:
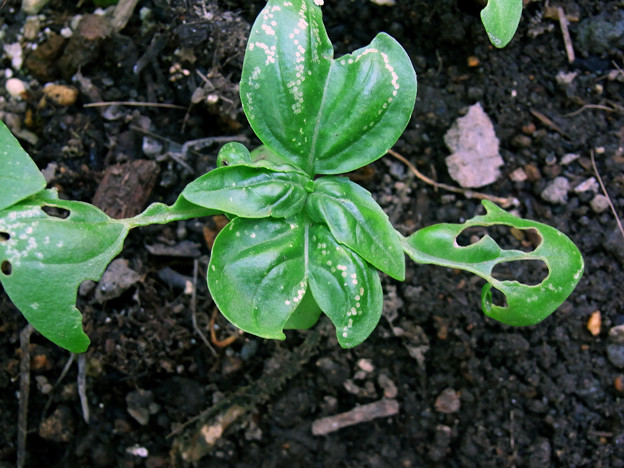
column 168, row 382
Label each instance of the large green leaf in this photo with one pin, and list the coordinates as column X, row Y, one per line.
column 500, row 19
column 44, row 259
column 250, row 192
column 261, row 271
column 526, row 304
column 19, row 176
column 357, row 221
column 257, row 274
column 323, row 115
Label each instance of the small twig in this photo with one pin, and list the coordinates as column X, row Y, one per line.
column 213, row 334
column 549, row 123
column 135, row 104
column 567, row 40
column 60, row 378
column 589, row 106
column 504, row 202
column 194, row 310
column 604, row 190
column 360, row 414
column 24, row 393
column 82, row 386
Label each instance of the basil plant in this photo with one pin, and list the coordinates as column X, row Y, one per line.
column 303, row 240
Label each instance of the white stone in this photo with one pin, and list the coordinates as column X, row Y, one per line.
column 587, row 185
column 384, row 2
column 32, row 7
column 518, row 175
column 475, row 161
column 15, row 87
column 14, row 52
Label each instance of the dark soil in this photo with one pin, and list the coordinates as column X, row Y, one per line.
column 471, row 391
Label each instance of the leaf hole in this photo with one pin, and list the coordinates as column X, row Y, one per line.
column 6, row 268
column 528, row 272
column 498, row 298
column 507, row 237
column 56, row 212
column 4, row 236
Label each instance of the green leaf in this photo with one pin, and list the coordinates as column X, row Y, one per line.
column 323, row 115
column 526, row 305
column 347, row 289
column 358, row 222
column 500, row 19
column 19, row 175
column 305, row 315
column 250, row 192
column 45, row 258
column 259, row 271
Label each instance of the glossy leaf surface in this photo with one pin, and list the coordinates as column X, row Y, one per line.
column 45, row 258
column 261, row 271
column 323, row 115
column 19, row 175
column 250, row 192
column 357, row 221
column 347, row 289
column 526, row 305
column 500, row 19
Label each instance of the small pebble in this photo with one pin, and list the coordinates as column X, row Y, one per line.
column 568, row 158
column 518, row 175
column 61, row 94
column 594, row 323
column 448, row 401
column 615, row 354
column 556, row 191
column 587, row 185
column 32, row 7
column 616, row 334
column 15, row 87
column 599, row 203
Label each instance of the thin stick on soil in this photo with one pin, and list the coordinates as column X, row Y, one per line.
column 24, row 393
column 567, row 40
column 82, row 386
column 194, row 311
column 604, row 190
column 134, row 104
column 504, row 202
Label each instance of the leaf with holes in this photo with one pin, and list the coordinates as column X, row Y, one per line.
column 324, row 115
column 526, row 304
column 19, row 176
column 358, row 222
column 261, row 271
column 500, row 19
column 45, row 257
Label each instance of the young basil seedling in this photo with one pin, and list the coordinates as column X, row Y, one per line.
column 302, row 240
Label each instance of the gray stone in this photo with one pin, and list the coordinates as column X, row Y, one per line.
column 599, row 204
column 556, row 191
column 475, row 161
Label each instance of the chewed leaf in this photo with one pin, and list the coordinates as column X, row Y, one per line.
column 500, row 19
column 347, row 289
column 357, row 221
column 45, row 256
column 250, row 192
column 526, row 304
column 326, row 116
column 19, row 176
column 257, row 273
